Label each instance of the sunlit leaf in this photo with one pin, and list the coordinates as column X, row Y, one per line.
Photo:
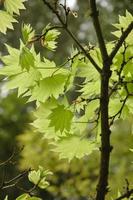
column 74, row 146
column 14, row 6
column 49, row 87
column 6, row 21
column 61, row 118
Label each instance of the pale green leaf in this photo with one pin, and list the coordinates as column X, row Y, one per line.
column 6, row 21
column 34, row 176
column 90, row 88
column 124, row 22
column 48, row 68
column 48, row 87
column 34, row 198
column 129, row 104
column 91, row 109
column 27, row 197
column 23, row 197
column 11, row 62
column 79, row 105
column 6, row 198
column 39, row 177
column 115, row 107
column 43, row 184
column 13, row 56
column 26, row 59
column 42, row 122
column 23, row 81
column 74, row 146
column 48, row 40
column 13, row 6
column 27, row 33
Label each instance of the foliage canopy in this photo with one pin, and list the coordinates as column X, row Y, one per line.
column 72, row 127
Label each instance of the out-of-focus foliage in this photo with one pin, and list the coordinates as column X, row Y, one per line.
column 69, row 180
column 13, row 120
column 14, row 116
column 72, row 181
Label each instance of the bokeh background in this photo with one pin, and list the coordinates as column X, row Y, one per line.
column 76, row 180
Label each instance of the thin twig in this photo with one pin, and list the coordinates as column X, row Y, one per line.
column 72, row 36
column 125, row 195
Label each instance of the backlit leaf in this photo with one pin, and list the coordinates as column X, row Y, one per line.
column 49, row 87
column 74, row 146
column 13, row 6
column 6, row 21
column 61, row 118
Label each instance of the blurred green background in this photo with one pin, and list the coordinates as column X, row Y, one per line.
column 76, row 180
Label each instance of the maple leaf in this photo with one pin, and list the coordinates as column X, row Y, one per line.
column 23, row 81
column 61, row 118
column 27, row 33
column 41, row 123
column 74, row 146
column 14, row 6
column 48, row 40
column 6, row 21
column 48, row 87
column 26, row 59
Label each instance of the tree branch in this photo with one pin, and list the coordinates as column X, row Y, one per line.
column 102, row 186
column 94, row 15
column 72, row 36
column 121, row 40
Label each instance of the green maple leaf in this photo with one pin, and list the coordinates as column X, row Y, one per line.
column 74, row 146
column 6, row 21
column 61, row 118
column 91, row 108
column 18, row 77
column 115, row 106
column 13, row 6
column 42, row 122
column 26, row 59
column 23, row 81
column 39, row 177
column 48, row 87
column 124, row 21
column 12, row 58
column 90, row 88
column 11, row 62
column 27, row 33
column 48, row 68
column 48, row 40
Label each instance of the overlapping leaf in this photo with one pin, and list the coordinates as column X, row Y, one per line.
column 124, row 21
column 61, row 119
column 41, row 123
column 26, row 58
column 38, row 177
column 27, row 33
column 52, row 86
column 74, row 146
column 50, row 35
